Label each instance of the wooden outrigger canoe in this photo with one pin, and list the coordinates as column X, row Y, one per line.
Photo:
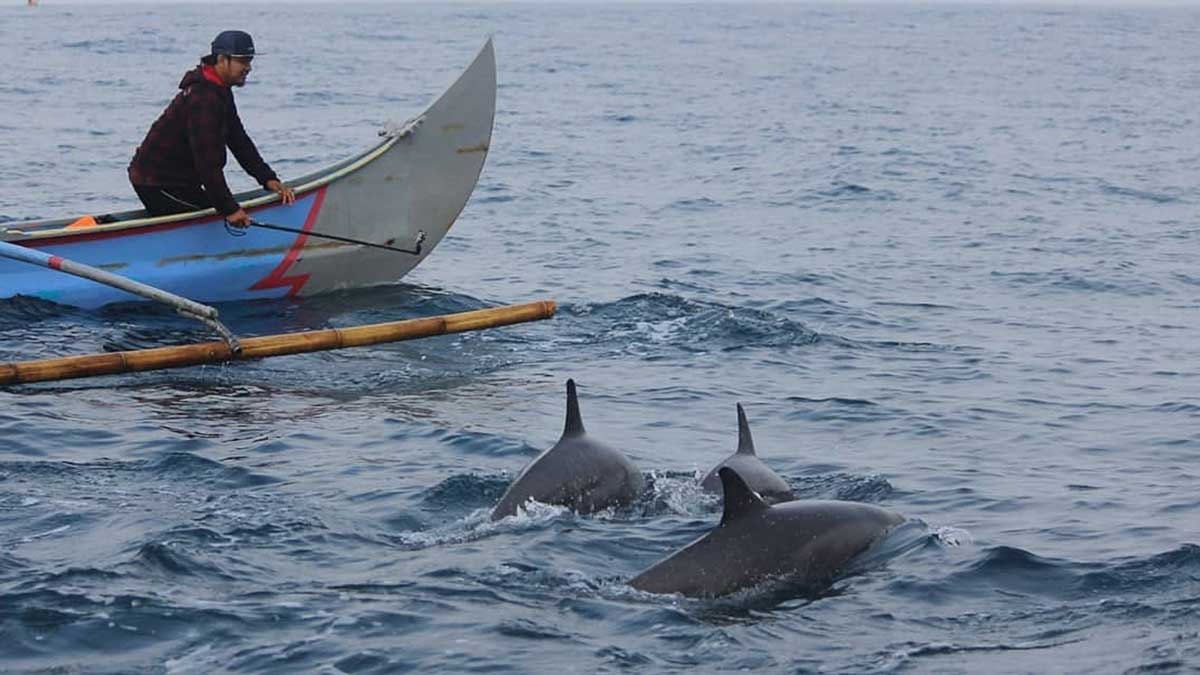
column 405, row 192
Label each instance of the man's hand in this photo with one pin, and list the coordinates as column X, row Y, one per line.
column 284, row 192
column 238, row 218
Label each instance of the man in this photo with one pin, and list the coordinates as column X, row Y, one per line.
column 180, row 165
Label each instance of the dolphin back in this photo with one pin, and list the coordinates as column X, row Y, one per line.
column 583, row 476
column 753, row 470
column 809, row 542
column 578, row 472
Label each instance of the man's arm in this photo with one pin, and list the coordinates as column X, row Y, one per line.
column 244, row 150
column 246, row 153
column 207, row 139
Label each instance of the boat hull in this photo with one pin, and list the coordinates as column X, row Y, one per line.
column 415, row 182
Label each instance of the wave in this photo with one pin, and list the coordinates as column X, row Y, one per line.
column 107, row 47
column 66, row 630
column 1014, row 571
column 173, row 466
column 479, row 525
column 72, row 577
column 1162, row 572
column 902, row 656
column 464, row 490
column 676, row 493
column 810, row 410
column 1189, row 279
column 22, row 310
column 99, row 477
column 843, row 192
column 476, row 443
column 169, row 559
column 1140, row 195
column 1083, row 281
column 843, row 487
column 647, row 320
column 185, row 467
column 10, row 564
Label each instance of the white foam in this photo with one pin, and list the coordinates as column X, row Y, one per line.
column 953, row 536
column 479, row 524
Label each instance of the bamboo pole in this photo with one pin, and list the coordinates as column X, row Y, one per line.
column 92, row 365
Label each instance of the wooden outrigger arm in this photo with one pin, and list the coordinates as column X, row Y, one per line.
column 91, row 365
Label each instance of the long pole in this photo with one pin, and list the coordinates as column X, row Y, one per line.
column 417, row 241
column 91, row 365
column 191, row 308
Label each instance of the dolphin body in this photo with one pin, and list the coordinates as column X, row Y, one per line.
column 811, row 541
column 578, row 472
column 757, row 475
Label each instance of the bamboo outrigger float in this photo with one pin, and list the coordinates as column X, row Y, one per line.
column 92, row 365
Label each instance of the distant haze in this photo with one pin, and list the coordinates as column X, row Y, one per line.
column 1055, row 3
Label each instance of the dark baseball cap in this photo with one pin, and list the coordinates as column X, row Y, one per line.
column 233, row 43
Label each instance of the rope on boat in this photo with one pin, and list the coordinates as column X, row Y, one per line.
column 404, row 130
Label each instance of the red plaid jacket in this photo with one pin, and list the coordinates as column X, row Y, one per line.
column 186, row 144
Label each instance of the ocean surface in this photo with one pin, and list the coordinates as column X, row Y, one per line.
column 945, row 255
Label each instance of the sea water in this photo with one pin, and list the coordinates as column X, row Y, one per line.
column 945, row 255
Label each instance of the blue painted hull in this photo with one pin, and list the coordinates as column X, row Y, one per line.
column 217, row 266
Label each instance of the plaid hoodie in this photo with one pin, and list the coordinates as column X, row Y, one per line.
column 186, row 144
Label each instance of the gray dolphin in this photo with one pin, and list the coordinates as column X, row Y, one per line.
column 757, row 475
column 578, row 472
column 811, row 541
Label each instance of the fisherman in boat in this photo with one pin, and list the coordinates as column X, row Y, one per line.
column 179, row 167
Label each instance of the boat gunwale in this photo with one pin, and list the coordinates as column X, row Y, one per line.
column 320, row 179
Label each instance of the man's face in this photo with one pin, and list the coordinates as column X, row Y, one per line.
column 234, row 69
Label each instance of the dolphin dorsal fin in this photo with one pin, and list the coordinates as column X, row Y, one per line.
column 739, row 498
column 574, row 424
column 745, row 440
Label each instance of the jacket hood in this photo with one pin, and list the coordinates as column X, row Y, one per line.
column 193, row 76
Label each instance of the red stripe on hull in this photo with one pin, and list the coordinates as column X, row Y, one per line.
column 276, row 278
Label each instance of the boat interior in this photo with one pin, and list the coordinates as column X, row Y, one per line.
column 133, row 218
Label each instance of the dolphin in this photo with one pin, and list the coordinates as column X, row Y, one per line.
column 811, row 541
column 578, row 472
column 757, row 475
